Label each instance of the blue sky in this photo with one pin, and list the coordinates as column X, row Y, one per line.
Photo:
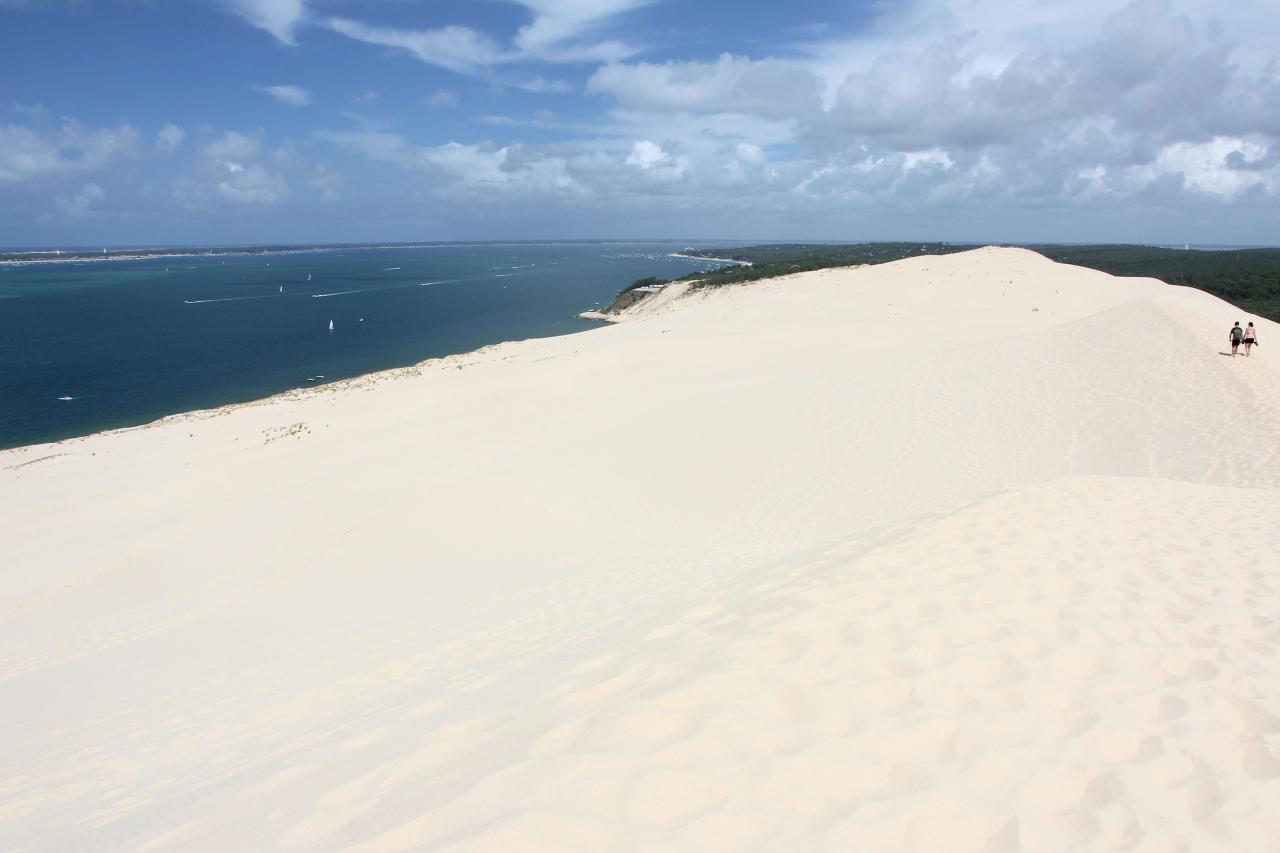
column 126, row 122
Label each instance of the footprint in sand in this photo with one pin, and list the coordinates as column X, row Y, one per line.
column 1204, row 797
column 1247, row 714
column 1257, row 760
column 1202, row 670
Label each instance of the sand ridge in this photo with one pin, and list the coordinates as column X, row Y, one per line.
column 975, row 550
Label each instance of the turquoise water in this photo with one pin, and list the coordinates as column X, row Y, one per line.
column 131, row 341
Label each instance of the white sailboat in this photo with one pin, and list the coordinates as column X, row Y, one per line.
column 331, row 325
column 282, row 288
column 308, row 276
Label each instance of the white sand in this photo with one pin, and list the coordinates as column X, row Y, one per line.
column 874, row 559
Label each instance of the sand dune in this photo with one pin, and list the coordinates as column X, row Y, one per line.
column 967, row 553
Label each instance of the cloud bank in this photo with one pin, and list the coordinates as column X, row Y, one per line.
column 30, row 152
column 1091, row 119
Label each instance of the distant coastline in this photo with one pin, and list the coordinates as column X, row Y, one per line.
column 79, row 256
column 21, row 257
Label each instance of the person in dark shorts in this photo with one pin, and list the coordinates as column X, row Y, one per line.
column 1250, row 338
column 1235, row 336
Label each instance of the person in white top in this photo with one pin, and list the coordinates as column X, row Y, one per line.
column 1250, row 338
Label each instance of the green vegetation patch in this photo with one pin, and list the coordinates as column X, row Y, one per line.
column 1249, row 278
column 787, row 258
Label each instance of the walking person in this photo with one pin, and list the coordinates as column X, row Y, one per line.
column 1250, row 338
column 1235, row 336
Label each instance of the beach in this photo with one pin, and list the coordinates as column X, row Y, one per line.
column 974, row 552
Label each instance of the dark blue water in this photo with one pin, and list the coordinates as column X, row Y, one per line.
column 131, row 341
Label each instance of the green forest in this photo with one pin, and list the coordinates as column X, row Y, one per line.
column 1249, row 278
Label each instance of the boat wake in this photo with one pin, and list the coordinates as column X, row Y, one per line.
column 226, row 299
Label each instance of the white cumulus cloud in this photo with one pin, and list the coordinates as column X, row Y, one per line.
column 456, row 48
column 441, row 98
column 931, row 108
column 287, row 93
column 28, row 152
column 229, row 169
column 169, row 137
column 376, row 145
column 542, row 86
column 326, row 181
column 79, row 204
column 970, row 101
column 561, row 31
column 645, row 154
column 279, row 17
column 769, row 88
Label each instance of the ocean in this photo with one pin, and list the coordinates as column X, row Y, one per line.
column 96, row 345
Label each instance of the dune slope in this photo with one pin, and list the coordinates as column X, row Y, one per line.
column 974, row 552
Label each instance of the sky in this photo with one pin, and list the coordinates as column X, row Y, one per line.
column 215, row 122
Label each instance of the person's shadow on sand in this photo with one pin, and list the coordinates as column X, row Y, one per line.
column 1227, row 354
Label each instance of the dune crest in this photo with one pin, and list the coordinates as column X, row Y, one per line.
column 974, row 552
